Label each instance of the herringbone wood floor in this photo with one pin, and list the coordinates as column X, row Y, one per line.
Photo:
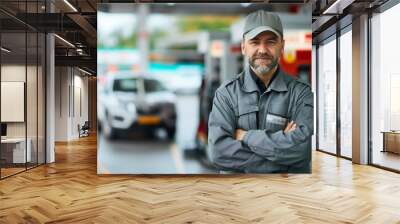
column 69, row 191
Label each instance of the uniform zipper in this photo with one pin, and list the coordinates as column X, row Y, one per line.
column 260, row 113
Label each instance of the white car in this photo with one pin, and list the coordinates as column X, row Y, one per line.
column 130, row 102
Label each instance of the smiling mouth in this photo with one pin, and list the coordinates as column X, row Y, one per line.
column 264, row 59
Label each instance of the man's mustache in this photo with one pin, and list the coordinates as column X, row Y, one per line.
column 262, row 56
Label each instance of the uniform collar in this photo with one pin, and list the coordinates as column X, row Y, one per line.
column 260, row 84
column 278, row 83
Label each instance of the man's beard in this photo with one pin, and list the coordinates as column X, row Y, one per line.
column 262, row 69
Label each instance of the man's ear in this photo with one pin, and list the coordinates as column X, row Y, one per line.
column 283, row 46
column 242, row 46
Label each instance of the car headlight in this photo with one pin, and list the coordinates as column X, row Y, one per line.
column 127, row 106
column 131, row 107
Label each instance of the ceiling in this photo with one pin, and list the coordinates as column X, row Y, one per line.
column 75, row 21
column 328, row 16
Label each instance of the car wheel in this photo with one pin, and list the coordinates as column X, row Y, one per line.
column 99, row 126
column 171, row 132
column 109, row 132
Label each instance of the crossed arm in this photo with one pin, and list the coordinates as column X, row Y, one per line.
column 235, row 148
column 240, row 133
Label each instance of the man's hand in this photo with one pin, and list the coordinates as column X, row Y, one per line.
column 240, row 133
column 290, row 127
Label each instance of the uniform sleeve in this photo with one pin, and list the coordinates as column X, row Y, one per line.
column 226, row 152
column 287, row 149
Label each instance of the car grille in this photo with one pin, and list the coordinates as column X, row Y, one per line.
column 150, row 110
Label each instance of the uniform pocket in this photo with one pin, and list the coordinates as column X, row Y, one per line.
column 247, row 118
column 275, row 122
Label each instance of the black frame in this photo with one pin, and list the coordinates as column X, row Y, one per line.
column 339, row 32
column 44, row 80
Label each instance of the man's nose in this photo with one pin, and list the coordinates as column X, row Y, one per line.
column 263, row 49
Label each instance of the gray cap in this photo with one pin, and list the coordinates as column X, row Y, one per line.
column 260, row 21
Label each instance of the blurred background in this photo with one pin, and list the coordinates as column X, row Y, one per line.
column 158, row 67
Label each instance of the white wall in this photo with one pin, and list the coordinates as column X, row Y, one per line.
column 12, row 73
column 61, row 103
column 71, row 93
column 79, row 115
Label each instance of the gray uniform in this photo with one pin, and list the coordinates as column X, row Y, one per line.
column 265, row 148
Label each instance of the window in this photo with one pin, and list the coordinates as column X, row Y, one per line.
column 151, row 85
column 327, row 96
column 385, row 89
column 126, row 85
column 22, row 65
column 346, row 94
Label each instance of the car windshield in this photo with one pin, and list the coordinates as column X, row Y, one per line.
column 126, row 85
column 151, row 85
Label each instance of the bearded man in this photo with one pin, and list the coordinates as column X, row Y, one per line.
column 262, row 120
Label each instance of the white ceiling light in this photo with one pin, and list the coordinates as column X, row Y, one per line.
column 70, row 5
column 5, row 49
column 331, row 7
column 338, row 6
column 86, row 72
column 65, row 41
column 245, row 4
